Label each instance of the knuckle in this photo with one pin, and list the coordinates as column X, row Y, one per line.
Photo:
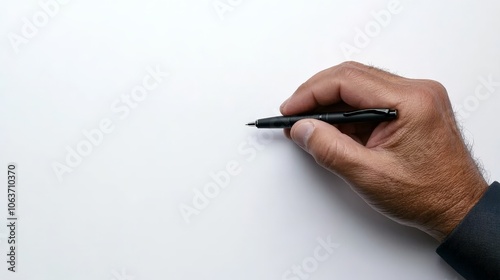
column 348, row 70
column 431, row 94
column 303, row 86
column 431, row 100
column 349, row 63
column 434, row 89
column 437, row 88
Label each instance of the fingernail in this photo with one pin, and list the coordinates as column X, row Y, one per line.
column 302, row 133
column 284, row 104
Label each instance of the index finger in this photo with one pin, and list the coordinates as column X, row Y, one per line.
column 355, row 84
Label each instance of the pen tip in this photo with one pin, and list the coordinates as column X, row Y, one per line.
column 251, row 124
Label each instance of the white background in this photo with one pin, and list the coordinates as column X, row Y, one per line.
column 116, row 215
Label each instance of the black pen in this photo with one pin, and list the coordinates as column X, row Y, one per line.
column 365, row 115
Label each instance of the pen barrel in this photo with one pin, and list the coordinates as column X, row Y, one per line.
column 338, row 118
column 277, row 122
column 285, row 121
column 331, row 118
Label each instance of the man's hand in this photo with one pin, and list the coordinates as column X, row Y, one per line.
column 416, row 169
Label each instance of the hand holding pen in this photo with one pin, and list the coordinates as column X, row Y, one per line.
column 415, row 169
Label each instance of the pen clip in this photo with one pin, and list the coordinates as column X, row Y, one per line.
column 374, row 111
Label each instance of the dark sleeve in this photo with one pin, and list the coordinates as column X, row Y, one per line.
column 473, row 247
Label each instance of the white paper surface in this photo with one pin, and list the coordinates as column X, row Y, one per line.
column 90, row 77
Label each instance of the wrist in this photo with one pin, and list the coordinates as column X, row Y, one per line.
column 466, row 194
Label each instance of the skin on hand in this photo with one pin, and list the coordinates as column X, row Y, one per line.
column 416, row 170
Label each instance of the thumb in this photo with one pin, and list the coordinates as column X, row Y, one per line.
column 330, row 148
